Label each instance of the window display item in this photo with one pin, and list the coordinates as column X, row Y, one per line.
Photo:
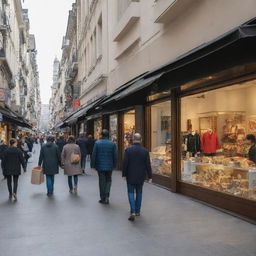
column 210, row 142
column 193, row 143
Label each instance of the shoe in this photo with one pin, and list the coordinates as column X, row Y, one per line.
column 102, row 201
column 132, row 217
column 14, row 197
column 71, row 191
column 75, row 190
column 107, row 201
column 10, row 197
column 49, row 194
column 137, row 214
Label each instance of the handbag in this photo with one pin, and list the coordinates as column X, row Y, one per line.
column 75, row 158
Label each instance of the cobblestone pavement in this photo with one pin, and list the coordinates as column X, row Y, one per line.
column 68, row 225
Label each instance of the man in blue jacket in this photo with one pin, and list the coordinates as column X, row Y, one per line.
column 104, row 160
column 136, row 169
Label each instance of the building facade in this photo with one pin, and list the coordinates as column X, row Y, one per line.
column 20, row 101
column 182, row 73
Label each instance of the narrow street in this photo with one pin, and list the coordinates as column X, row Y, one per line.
column 78, row 225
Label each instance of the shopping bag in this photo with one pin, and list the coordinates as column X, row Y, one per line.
column 37, row 176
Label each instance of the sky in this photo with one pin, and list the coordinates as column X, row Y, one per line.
column 48, row 22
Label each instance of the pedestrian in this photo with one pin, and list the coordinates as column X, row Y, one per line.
column 89, row 145
column 11, row 165
column 70, row 159
column 61, row 142
column 23, row 146
column 136, row 168
column 29, row 143
column 50, row 160
column 104, row 160
column 82, row 143
column 41, row 140
column 3, row 148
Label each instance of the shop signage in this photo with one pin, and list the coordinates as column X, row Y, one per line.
column 76, row 103
column 3, row 95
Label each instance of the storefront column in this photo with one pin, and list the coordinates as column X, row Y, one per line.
column 140, row 121
column 105, row 122
column 175, row 138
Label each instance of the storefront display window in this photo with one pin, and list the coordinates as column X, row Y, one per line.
column 161, row 138
column 215, row 152
column 97, row 129
column 113, row 128
column 129, row 127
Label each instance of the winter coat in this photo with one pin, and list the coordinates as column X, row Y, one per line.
column 3, row 148
column 69, row 168
column 252, row 153
column 104, row 156
column 210, row 143
column 89, row 145
column 50, row 158
column 136, row 165
column 82, row 143
column 60, row 143
column 193, row 143
column 12, row 161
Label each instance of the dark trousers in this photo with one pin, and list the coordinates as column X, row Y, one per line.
column 70, row 183
column 50, row 183
column 135, row 202
column 105, row 180
column 83, row 162
column 15, row 179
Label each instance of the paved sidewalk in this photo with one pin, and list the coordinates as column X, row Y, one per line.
column 68, row 225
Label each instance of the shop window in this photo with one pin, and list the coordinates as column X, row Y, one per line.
column 161, row 138
column 215, row 152
column 129, row 127
column 97, row 129
column 113, row 128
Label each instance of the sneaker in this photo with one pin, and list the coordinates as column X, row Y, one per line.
column 10, row 197
column 132, row 217
column 107, row 201
column 75, row 190
column 14, row 197
column 137, row 214
column 102, row 201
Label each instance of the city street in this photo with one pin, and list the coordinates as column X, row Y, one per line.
column 72, row 225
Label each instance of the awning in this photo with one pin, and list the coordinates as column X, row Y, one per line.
column 231, row 49
column 11, row 117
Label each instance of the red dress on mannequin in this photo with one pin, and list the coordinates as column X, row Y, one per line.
column 210, row 143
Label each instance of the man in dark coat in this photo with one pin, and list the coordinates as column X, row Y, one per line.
column 135, row 170
column 61, row 143
column 50, row 159
column 11, row 165
column 104, row 160
column 90, row 145
column 82, row 143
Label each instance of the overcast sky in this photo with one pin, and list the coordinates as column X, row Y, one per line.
column 48, row 21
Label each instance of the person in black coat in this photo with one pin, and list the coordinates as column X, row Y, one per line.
column 252, row 151
column 136, row 168
column 50, row 159
column 89, row 145
column 11, row 165
column 82, row 143
column 61, row 143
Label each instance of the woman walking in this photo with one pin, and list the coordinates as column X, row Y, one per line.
column 70, row 158
column 11, row 165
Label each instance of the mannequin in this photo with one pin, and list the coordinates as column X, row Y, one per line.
column 193, row 143
column 210, row 143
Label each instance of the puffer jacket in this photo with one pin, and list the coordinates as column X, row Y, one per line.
column 104, row 156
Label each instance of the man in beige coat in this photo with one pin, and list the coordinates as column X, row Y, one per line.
column 71, row 168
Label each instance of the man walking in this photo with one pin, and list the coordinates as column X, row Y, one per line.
column 50, row 159
column 82, row 143
column 61, row 142
column 136, row 168
column 104, row 159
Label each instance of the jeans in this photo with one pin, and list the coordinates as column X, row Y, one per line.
column 83, row 162
column 105, row 180
column 70, row 183
column 135, row 203
column 15, row 183
column 50, row 183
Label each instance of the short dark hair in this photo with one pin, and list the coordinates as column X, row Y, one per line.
column 105, row 133
column 71, row 139
column 13, row 141
column 50, row 139
column 251, row 137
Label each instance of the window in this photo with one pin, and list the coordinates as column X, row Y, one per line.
column 129, row 127
column 161, row 138
column 113, row 128
column 121, row 7
column 99, row 37
column 215, row 152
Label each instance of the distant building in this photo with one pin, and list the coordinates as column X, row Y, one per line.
column 44, row 122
